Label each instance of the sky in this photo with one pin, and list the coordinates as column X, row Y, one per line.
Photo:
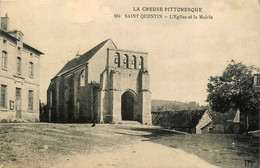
column 183, row 53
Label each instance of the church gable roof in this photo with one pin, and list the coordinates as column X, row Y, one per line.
column 83, row 58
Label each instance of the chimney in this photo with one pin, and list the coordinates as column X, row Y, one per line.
column 5, row 23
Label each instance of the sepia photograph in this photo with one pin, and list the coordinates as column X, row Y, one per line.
column 129, row 84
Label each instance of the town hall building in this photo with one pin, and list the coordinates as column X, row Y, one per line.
column 19, row 76
column 104, row 85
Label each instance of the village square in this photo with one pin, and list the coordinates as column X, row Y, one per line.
column 71, row 100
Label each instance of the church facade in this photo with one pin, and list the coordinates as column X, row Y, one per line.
column 104, row 85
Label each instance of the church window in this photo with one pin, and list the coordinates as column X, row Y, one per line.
column 4, row 60
column 134, row 61
column 50, row 99
column 82, row 78
column 78, row 106
column 117, row 59
column 126, row 60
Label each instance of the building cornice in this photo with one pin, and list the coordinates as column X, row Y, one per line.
column 3, row 33
column 129, row 51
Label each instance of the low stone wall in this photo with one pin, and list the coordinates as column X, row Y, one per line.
column 6, row 117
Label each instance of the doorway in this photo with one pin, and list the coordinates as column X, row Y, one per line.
column 127, row 106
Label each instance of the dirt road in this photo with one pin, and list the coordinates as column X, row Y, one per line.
column 44, row 145
column 142, row 154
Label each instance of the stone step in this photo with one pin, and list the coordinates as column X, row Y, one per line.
column 129, row 122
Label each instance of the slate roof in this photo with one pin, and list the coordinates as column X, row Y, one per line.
column 83, row 58
column 31, row 48
column 180, row 119
column 24, row 44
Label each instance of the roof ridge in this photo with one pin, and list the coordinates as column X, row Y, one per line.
column 6, row 34
column 83, row 58
column 99, row 45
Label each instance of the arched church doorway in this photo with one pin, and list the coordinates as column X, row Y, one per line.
column 127, row 106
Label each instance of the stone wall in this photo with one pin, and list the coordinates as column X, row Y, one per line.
column 115, row 81
column 74, row 102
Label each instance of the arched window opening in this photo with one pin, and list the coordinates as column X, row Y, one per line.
column 117, row 59
column 82, row 78
column 31, row 69
column 141, row 63
column 70, row 98
column 134, row 62
column 126, row 60
column 19, row 65
column 4, row 41
column 4, row 60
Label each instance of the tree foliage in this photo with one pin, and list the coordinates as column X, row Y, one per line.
column 233, row 89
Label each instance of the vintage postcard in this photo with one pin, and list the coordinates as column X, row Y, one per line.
column 129, row 83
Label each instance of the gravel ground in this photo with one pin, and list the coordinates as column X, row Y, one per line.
column 43, row 145
column 143, row 154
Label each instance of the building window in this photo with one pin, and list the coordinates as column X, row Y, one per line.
column 82, row 78
column 31, row 54
column 30, row 100
column 117, row 59
column 18, row 98
column 134, row 61
column 19, row 65
column 31, row 69
column 141, row 63
column 19, row 49
column 126, row 60
column 4, row 59
column 258, row 81
column 3, row 96
column 4, row 41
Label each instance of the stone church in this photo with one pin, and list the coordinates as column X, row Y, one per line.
column 104, row 85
